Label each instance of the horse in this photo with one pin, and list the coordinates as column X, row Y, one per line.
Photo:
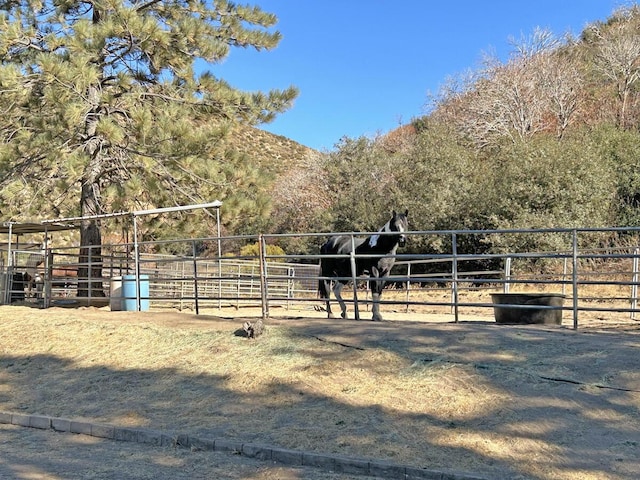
column 378, row 256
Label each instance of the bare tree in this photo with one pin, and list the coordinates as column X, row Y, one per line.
column 560, row 82
column 535, row 90
column 617, row 56
column 503, row 102
column 299, row 194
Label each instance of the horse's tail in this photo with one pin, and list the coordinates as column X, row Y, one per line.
column 323, row 284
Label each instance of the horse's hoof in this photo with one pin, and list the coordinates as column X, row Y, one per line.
column 376, row 319
column 331, row 315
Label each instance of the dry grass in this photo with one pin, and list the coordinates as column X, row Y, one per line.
column 465, row 397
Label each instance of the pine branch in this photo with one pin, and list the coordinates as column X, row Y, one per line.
column 147, row 5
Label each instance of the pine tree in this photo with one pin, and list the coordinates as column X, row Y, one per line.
column 102, row 108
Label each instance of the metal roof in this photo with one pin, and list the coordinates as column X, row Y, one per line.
column 20, row 228
column 23, row 228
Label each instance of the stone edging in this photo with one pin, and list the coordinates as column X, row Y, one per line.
column 334, row 463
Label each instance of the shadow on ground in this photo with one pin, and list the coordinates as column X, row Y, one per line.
column 575, row 393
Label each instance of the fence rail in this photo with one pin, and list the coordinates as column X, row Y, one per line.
column 593, row 279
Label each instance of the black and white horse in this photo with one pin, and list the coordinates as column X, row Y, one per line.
column 374, row 256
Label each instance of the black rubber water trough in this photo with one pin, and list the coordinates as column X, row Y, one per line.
column 528, row 308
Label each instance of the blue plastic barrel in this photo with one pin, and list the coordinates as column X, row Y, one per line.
column 129, row 303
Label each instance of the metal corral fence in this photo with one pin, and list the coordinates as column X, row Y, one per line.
column 593, row 278
column 182, row 281
column 193, row 282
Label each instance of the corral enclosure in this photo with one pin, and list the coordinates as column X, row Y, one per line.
column 592, row 279
column 505, row 402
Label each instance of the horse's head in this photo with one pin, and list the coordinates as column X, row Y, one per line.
column 399, row 223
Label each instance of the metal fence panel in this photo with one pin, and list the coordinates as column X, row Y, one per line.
column 593, row 279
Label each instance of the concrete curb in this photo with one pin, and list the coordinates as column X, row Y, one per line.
column 283, row 456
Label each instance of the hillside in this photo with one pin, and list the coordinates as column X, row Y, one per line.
column 549, row 85
column 269, row 150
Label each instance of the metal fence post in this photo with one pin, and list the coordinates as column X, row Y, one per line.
column 507, row 275
column 263, row 277
column 354, row 277
column 48, row 275
column 291, row 275
column 454, row 274
column 575, row 279
column 408, row 286
column 89, row 272
column 182, row 285
column 219, row 259
column 238, row 285
column 195, row 278
column 634, row 283
column 136, row 259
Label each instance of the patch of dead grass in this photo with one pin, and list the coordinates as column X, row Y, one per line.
column 283, row 388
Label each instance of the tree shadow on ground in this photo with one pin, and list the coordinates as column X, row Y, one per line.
column 577, row 394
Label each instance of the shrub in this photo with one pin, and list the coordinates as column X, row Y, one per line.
column 253, row 250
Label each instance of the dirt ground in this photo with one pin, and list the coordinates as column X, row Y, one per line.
column 509, row 402
column 29, row 453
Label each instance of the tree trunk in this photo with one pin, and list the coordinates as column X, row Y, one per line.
column 90, row 270
column 90, row 257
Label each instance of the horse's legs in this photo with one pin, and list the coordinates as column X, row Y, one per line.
column 377, row 284
column 325, row 289
column 337, row 289
column 329, row 312
column 376, row 306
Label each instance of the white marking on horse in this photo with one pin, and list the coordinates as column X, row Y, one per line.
column 373, row 239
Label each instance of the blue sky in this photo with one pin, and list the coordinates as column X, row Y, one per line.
column 364, row 67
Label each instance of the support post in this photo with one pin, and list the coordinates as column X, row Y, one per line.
column 263, row 277
column 219, row 259
column 454, row 273
column 634, row 284
column 507, row 275
column 136, row 261
column 89, row 272
column 408, row 286
column 354, row 278
column 9, row 280
column 195, row 277
column 575, row 279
